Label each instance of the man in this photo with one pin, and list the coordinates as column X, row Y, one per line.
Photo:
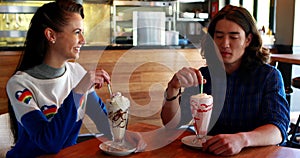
column 255, row 111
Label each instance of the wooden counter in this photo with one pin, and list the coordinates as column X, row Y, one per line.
column 134, row 72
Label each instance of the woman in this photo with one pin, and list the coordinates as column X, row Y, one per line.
column 255, row 110
column 47, row 93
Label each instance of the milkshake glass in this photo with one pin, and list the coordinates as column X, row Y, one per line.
column 201, row 108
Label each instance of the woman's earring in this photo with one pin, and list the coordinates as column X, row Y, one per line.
column 53, row 41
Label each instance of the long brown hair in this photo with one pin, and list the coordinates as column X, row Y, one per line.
column 254, row 54
column 54, row 15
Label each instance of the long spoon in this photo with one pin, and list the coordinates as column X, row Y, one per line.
column 109, row 89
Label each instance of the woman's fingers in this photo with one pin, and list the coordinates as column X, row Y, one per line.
column 101, row 76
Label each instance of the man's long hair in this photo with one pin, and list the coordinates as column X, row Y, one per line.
column 255, row 54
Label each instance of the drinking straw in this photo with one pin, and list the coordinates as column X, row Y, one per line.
column 201, row 85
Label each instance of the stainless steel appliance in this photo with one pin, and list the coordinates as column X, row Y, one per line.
column 149, row 28
column 122, row 21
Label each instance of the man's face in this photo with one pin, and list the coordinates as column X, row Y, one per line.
column 231, row 41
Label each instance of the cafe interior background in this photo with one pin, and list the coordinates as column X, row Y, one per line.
column 110, row 23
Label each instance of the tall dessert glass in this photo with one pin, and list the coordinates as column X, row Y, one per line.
column 118, row 109
column 201, row 108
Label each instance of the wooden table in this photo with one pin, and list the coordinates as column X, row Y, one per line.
column 289, row 59
column 90, row 149
column 286, row 58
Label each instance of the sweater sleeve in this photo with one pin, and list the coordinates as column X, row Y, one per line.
column 97, row 111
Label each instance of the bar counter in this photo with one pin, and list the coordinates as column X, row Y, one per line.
column 105, row 47
column 134, row 68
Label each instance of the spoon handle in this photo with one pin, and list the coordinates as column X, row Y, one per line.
column 109, row 89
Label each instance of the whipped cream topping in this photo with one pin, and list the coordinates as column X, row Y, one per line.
column 201, row 101
column 119, row 102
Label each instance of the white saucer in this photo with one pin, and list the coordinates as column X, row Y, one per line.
column 116, row 151
column 188, row 140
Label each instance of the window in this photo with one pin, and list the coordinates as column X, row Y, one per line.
column 262, row 10
column 296, row 37
column 263, row 14
column 248, row 4
column 235, row 2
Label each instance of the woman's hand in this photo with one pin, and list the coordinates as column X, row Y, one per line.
column 90, row 79
column 137, row 140
column 186, row 77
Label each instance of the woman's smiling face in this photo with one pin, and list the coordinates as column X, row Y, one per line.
column 71, row 39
